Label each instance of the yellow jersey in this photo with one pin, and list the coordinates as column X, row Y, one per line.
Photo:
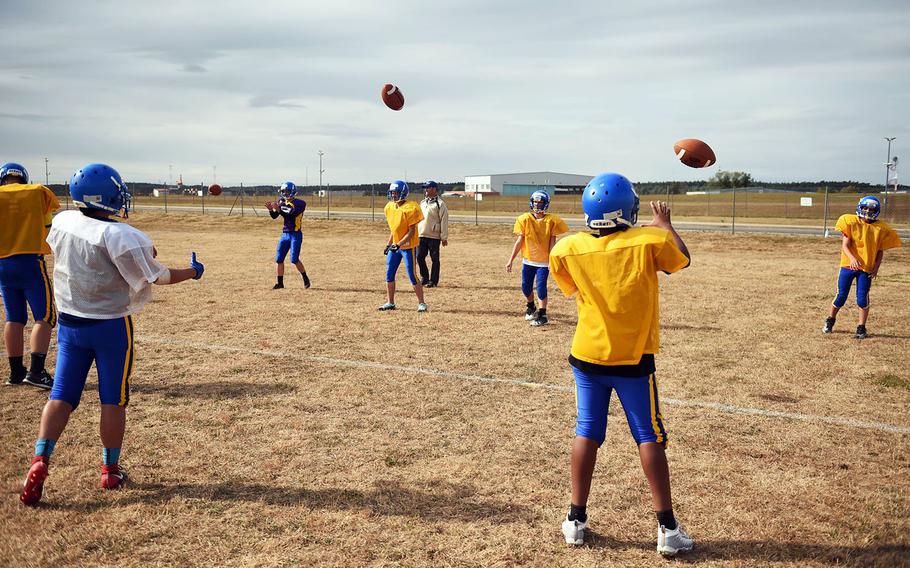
column 25, row 218
column 401, row 218
column 615, row 279
column 537, row 234
column 868, row 239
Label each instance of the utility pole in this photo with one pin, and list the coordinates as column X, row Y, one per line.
column 887, row 166
column 321, row 153
column 46, row 173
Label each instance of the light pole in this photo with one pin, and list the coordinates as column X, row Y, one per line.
column 321, row 154
column 887, row 165
column 46, row 173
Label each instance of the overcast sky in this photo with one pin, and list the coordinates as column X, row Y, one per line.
column 786, row 90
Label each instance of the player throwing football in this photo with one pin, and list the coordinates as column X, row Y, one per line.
column 291, row 209
column 613, row 274
column 103, row 272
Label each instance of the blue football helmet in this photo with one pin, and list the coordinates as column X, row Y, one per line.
column 609, row 200
column 398, row 190
column 868, row 208
column 12, row 169
column 288, row 190
column 539, row 201
column 99, row 186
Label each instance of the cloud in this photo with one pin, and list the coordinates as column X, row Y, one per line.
column 783, row 89
column 262, row 101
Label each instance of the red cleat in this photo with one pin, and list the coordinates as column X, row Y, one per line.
column 34, row 481
column 112, row 477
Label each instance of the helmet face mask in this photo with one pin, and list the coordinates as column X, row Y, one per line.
column 13, row 170
column 398, row 191
column 609, row 201
column 288, row 190
column 539, row 202
column 869, row 208
column 100, row 187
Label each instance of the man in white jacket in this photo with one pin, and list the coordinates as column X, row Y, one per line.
column 433, row 231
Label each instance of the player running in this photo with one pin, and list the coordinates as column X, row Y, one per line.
column 291, row 209
column 103, row 271
column 613, row 273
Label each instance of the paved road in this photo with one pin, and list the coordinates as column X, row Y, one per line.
column 574, row 222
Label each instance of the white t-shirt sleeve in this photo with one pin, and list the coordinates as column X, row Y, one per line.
column 132, row 253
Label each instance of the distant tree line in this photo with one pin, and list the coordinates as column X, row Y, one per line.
column 720, row 180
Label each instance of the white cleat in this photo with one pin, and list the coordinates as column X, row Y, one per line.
column 669, row 543
column 574, row 531
column 422, row 307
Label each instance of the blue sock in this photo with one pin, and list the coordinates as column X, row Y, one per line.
column 111, row 456
column 45, row 447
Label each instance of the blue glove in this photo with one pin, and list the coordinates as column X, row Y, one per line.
column 197, row 266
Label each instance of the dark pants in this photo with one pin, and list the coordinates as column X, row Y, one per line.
column 428, row 246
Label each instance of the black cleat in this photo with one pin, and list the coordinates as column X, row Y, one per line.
column 42, row 380
column 829, row 325
column 430, row 285
column 16, row 378
column 306, row 280
column 278, row 286
column 861, row 332
column 531, row 313
column 540, row 320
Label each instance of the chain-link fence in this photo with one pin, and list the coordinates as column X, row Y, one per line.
column 724, row 209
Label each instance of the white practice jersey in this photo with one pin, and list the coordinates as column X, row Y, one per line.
column 102, row 269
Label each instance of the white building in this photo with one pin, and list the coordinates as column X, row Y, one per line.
column 526, row 183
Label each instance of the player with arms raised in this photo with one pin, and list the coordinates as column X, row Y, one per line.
column 291, row 209
column 613, row 274
column 103, row 272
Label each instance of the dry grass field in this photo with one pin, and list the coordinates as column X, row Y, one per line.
column 303, row 427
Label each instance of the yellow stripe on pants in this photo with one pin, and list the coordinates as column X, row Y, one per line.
column 128, row 361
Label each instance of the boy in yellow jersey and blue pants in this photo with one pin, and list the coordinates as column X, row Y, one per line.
column 865, row 240
column 536, row 232
column 25, row 216
column 103, row 271
column 613, row 274
column 403, row 216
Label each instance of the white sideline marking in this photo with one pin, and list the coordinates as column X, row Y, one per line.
column 718, row 406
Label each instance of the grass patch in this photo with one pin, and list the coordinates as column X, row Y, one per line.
column 891, row 380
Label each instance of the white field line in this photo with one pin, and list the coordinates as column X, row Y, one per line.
column 336, row 361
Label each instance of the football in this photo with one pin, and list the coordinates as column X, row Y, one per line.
column 694, row 153
column 392, row 97
column 215, row 189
